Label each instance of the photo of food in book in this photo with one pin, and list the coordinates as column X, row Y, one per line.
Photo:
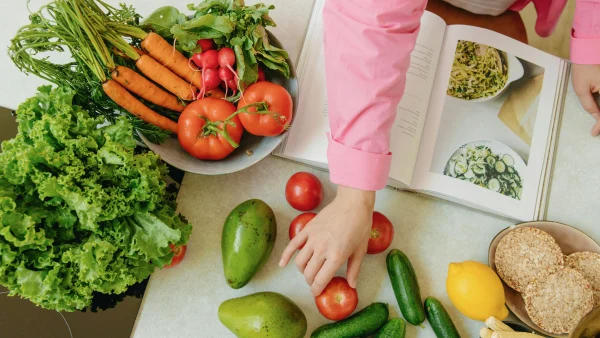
column 488, row 118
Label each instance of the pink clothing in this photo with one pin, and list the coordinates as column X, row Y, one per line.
column 367, row 53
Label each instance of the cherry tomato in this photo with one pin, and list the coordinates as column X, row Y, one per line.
column 179, row 255
column 206, row 44
column 201, row 142
column 338, row 300
column 382, row 234
column 304, row 191
column 299, row 223
column 278, row 101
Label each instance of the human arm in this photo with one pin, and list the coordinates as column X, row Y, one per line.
column 585, row 55
column 367, row 53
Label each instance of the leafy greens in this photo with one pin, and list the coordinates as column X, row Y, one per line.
column 80, row 212
column 229, row 23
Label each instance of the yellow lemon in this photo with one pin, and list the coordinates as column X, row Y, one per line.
column 476, row 291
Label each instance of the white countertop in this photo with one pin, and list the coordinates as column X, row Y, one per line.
column 183, row 301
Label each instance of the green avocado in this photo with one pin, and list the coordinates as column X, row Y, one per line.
column 263, row 314
column 247, row 241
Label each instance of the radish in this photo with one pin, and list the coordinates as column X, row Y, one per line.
column 227, row 58
column 261, row 75
column 197, row 59
column 210, row 59
column 225, row 74
column 206, row 44
column 210, row 79
column 231, row 84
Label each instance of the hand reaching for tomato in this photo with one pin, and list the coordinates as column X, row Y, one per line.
column 339, row 233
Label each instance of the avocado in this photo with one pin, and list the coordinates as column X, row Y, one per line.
column 263, row 314
column 247, row 241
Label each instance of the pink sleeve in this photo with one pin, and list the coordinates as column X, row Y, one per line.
column 367, row 53
column 585, row 37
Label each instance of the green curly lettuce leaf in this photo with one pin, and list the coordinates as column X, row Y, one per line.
column 80, row 212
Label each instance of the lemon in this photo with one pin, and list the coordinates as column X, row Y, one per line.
column 476, row 291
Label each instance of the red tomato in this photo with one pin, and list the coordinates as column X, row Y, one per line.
column 199, row 134
column 299, row 223
column 304, row 191
column 382, row 234
column 338, row 300
column 278, row 101
column 179, row 255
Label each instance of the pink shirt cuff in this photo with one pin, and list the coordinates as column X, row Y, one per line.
column 357, row 169
column 585, row 51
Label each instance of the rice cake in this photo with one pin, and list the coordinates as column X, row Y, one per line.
column 558, row 299
column 588, row 263
column 523, row 254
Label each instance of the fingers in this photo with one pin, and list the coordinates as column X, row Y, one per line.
column 294, row 245
column 303, row 258
column 324, row 276
column 312, row 268
column 596, row 128
column 587, row 101
column 354, row 268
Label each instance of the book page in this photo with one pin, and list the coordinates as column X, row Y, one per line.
column 488, row 126
column 307, row 140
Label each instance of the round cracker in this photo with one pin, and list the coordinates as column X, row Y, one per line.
column 558, row 299
column 523, row 254
column 588, row 263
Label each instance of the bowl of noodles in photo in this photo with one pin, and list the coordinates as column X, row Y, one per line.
column 480, row 72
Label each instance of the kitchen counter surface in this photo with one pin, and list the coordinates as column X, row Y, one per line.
column 183, row 301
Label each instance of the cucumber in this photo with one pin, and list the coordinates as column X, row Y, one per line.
column 439, row 319
column 363, row 323
column 406, row 288
column 394, row 328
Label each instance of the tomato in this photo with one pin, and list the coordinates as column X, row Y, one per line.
column 217, row 93
column 304, row 191
column 201, row 133
column 382, row 234
column 299, row 223
column 278, row 101
column 179, row 255
column 338, row 300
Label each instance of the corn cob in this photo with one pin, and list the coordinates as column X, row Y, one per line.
column 495, row 324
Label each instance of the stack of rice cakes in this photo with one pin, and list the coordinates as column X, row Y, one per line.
column 558, row 290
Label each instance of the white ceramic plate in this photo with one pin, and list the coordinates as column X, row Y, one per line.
column 171, row 152
column 568, row 238
column 515, row 72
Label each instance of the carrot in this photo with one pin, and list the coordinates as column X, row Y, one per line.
column 164, row 77
column 167, row 55
column 140, row 86
column 128, row 102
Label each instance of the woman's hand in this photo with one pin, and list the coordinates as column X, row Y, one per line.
column 339, row 233
column 586, row 81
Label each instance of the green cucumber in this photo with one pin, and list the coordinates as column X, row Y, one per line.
column 363, row 323
column 406, row 288
column 440, row 321
column 394, row 328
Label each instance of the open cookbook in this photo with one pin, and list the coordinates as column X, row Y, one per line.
column 477, row 123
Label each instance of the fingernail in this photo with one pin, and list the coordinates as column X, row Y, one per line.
column 281, row 263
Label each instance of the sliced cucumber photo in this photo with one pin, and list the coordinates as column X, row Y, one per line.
column 500, row 166
column 491, row 160
column 478, row 169
column 508, row 160
column 494, row 185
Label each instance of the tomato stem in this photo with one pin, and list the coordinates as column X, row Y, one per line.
column 212, row 128
column 262, row 108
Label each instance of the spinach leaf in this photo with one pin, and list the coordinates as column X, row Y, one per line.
column 162, row 19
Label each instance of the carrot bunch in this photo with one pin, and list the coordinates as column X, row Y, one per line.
column 96, row 35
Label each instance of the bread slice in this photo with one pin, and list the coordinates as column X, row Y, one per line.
column 588, row 263
column 523, row 254
column 558, row 299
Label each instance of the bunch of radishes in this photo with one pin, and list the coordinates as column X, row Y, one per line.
column 217, row 67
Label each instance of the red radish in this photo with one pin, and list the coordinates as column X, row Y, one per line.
column 261, row 74
column 210, row 59
column 225, row 74
column 226, row 57
column 197, row 59
column 210, row 78
column 206, row 44
column 232, row 84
